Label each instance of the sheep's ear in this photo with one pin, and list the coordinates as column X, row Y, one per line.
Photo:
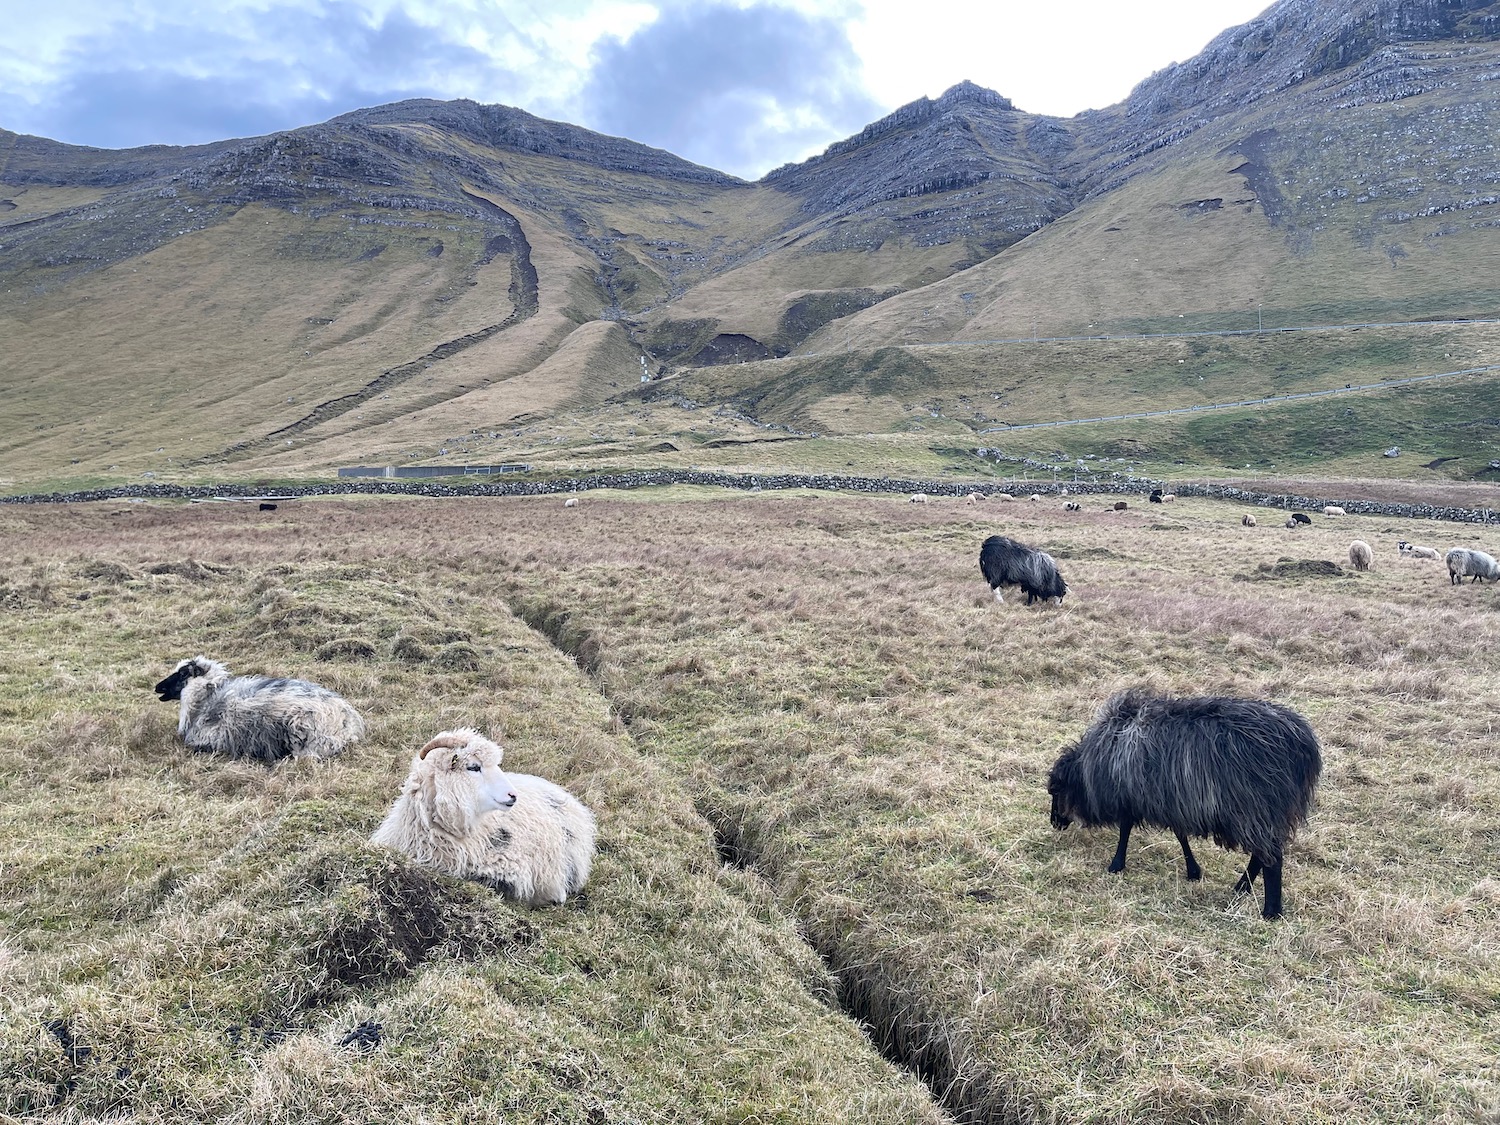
column 450, row 741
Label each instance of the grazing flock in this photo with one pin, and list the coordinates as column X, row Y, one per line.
column 1239, row 771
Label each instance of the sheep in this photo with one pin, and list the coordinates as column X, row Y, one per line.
column 257, row 716
column 1072, row 506
column 1242, row 771
column 1334, row 510
column 1035, row 497
column 1298, row 517
column 1248, row 519
column 1003, row 496
column 919, row 497
column 1004, row 562
column 571, row 502
column 460, row 814
column 1465, row 562
column 974, row 498
column 1169, row 498
column 1290, row 522
column 1155, row 496
column 1121, row 505
column 1360, row 555
column 1413, row 551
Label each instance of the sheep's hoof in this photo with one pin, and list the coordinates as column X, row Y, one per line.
column 1194, row 874
column 1116, row 867
column 1243, row 886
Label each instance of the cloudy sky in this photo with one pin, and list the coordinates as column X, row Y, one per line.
column 739, row 85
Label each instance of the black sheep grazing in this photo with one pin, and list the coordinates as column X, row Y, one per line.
column 1155, row 496
column 1004, row 562
column 1298, row 517
column 1242, row 771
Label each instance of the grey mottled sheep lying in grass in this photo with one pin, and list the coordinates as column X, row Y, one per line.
column 257, row 716
column 461, row 814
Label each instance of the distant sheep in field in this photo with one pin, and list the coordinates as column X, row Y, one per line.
column 919, row 497
column 1334, row 510
column 1072, row 506
column 1360, row 555
column 1004, row 562
column 1120, row 505
column 1006, row 496
column 1298, row 517
column 1242, row 771
column 1248, row 519
column 1155, row 496
column 1290, row 522
column 461, row 814
column 257, row 716
column 975, row 497
column 571, row 502
column 1035, row 496
column 1169, row 497
column 1465, row 562
column 1413, row 551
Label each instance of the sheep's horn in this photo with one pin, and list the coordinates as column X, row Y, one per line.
column 451, row 741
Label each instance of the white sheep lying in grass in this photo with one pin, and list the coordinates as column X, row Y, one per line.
column 257, row 716
column 1360, row 555
column 461, row 814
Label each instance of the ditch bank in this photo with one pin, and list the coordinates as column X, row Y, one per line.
column 905, row 1029
column 757, row 482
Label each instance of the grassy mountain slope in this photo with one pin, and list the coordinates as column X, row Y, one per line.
column 384, row 285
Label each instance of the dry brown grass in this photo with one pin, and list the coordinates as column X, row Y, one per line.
column 865, row 734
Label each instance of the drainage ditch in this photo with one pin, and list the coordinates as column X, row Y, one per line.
column 906, row 1033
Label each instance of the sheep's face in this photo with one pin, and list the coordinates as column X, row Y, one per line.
column 170, row 689
column 491, row 787
column 1061, row 785
column 466, row 768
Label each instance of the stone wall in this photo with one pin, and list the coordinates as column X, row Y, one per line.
column 651, row 478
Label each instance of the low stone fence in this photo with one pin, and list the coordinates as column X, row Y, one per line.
column 652, row 478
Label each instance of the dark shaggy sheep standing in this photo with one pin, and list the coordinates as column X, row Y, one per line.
column 1242, row 771
column 1004, row 562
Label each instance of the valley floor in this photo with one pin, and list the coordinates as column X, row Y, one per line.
column 818, row 752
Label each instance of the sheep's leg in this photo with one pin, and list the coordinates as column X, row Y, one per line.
column 1118, row 863
column 999, row 597
column 1248, row 878
column 1194, row 872
column 1272, row 881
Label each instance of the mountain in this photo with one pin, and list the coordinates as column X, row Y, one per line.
column 403, row 278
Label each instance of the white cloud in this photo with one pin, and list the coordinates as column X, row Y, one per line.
column 740, row 84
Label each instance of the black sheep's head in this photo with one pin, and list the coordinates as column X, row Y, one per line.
column 170, row 689
column 1062, row 785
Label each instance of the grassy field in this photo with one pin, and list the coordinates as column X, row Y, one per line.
column 818, row 752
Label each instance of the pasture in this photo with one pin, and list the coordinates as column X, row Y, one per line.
column 826, row 889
